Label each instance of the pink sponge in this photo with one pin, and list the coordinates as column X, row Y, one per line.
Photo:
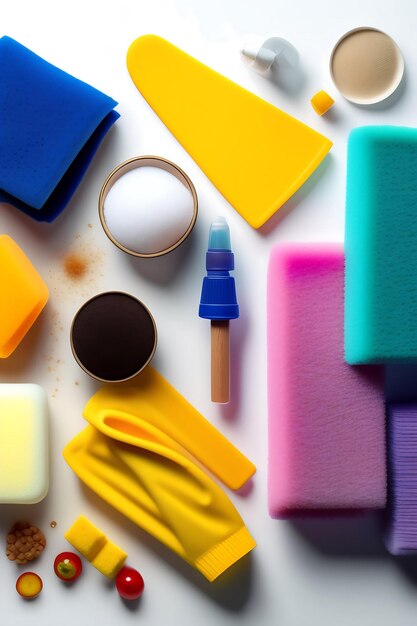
column 326, row 418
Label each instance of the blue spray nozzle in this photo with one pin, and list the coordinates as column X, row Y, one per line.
column 218, row 295
column 219, row 236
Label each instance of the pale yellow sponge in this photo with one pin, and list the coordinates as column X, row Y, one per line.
column 110, row 560
column 93, row 544
column 321, row 102
column 86, row 538
column 24, row 442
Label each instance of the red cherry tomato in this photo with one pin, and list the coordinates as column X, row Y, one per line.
column 68, row 566
column 129, row 583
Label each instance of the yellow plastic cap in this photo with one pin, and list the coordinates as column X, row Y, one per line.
column 321, row 102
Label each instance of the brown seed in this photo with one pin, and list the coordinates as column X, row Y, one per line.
column 25, row 542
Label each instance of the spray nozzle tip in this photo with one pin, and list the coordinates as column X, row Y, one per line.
column 219, row 237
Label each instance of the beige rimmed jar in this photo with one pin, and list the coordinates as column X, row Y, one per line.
column 366, row 65
column 147, row 161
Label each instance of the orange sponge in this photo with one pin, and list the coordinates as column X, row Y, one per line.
column 23, row 294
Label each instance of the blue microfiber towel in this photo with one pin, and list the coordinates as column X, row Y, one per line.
column 51, row 126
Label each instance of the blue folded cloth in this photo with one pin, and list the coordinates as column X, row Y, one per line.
column 51, row 125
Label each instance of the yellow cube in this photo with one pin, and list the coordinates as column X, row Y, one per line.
column 95, row 547
column 23, row 294
column 321, row 102
column 110, row 560
column 86, row 538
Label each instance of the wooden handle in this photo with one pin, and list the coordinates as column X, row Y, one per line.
column 220, row 366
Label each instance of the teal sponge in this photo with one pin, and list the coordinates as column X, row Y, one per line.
column 381, row 245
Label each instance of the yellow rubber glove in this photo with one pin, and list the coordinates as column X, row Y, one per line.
column 153, row 399
column 147, row 476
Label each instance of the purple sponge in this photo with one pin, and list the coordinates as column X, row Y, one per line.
column 326, row 418
column 402, row 463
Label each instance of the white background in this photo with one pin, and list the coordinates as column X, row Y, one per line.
column 316, row 572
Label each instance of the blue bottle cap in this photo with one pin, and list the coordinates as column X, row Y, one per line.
column 218, row 295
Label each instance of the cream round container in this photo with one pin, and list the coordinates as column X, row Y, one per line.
column 366, row 65
column 113, row 336
column 148, row 206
